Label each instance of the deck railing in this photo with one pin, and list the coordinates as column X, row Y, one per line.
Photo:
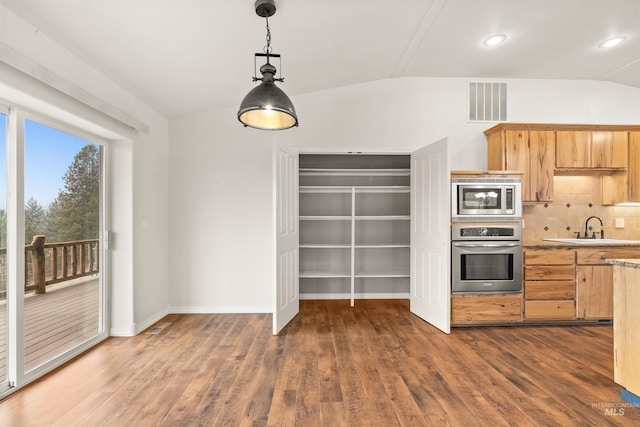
column 49, row 263
column 57, row 262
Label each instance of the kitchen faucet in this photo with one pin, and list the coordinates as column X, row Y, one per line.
column 586, row 228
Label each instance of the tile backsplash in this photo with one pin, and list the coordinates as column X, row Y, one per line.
column 576, row 198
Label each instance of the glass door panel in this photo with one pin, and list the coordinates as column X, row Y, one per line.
column 62, row 304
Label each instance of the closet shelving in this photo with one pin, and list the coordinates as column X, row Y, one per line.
column 354, row 226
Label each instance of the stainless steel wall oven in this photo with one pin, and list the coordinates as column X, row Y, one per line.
column 486, row 258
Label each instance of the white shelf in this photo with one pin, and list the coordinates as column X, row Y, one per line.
column 383, row 189
column 325, row 246
column 382, row 274
column 383, row 218
column 325, row 218
column 354, row 172
column 357, row 218
column 325, row 189
column 357, row 188
column 357, row 295
column 368, row 200
column 324, row 274
column 381, row 245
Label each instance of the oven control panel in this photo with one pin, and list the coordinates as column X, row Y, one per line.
column 488, row 232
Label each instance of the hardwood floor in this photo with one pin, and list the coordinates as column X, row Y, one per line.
column 374, row 365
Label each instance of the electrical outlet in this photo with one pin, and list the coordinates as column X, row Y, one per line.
column 619, row 222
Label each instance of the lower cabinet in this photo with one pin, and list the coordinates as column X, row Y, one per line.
column 560, row 285
column 486, row 309
column 594, row 285
column 594, row 281
column 550, row 310
column 549, row 287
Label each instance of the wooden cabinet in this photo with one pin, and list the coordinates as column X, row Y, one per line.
column 634, row 167
column 626, row 327
column 543, row 150
column 549, row 286
column 486, row 309
column 573, row 149
column 530, row 151
column 594, row 281
column 591, row 149
column 600, row 151
column 594, row 290
column 354, row 226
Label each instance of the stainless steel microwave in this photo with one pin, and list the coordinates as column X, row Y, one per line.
column 480, row 199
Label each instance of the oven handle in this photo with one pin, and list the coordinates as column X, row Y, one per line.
column 486, row 245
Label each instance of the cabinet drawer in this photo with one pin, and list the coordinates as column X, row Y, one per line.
column 549, row 256
column 597, row 256
column 549, row 272
column 549, row 310
column 468, row 309
column 550, row 290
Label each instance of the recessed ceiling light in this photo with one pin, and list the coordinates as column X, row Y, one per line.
column 612, row 42
column 495, row 39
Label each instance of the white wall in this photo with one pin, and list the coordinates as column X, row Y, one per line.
column 139, row 186
column 221, row 174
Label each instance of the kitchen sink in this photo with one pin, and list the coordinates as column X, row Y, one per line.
column 596, row 241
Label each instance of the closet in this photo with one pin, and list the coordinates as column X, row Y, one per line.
column 354, row 224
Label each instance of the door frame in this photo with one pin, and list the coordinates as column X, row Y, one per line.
column 326, row 150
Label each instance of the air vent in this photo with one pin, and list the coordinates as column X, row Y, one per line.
column 487, row 102
column 159, row 327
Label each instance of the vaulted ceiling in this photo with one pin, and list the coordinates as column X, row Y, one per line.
column 186, row 56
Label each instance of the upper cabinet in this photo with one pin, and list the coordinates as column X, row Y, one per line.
column 529, row 151
column 542, row 150
column 591, row 149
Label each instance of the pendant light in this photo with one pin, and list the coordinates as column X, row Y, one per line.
column 266, row 106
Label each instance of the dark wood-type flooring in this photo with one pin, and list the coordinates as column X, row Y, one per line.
column 372, row 365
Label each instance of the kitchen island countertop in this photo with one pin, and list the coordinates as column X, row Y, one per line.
column 631, row 263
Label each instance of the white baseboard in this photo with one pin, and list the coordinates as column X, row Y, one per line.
column 220, row 310
column 135, row 328
column 141, row 326
column 129, row 331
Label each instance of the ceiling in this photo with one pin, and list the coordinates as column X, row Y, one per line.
column 187, row 56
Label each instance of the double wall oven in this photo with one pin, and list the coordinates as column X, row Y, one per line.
column 486, row 236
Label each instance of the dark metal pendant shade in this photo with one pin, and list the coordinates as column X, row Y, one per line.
column 266, row 106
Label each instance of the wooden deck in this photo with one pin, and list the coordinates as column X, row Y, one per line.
column 56, row 321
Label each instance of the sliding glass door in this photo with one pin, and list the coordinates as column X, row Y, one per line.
column 3, row 250
column 52, row 288
column 62, row 182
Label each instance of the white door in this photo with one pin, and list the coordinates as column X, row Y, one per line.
column 430, row 235
column 286, row 216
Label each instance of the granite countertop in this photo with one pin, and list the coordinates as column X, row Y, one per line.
column 543, row 244
column 631, row 263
